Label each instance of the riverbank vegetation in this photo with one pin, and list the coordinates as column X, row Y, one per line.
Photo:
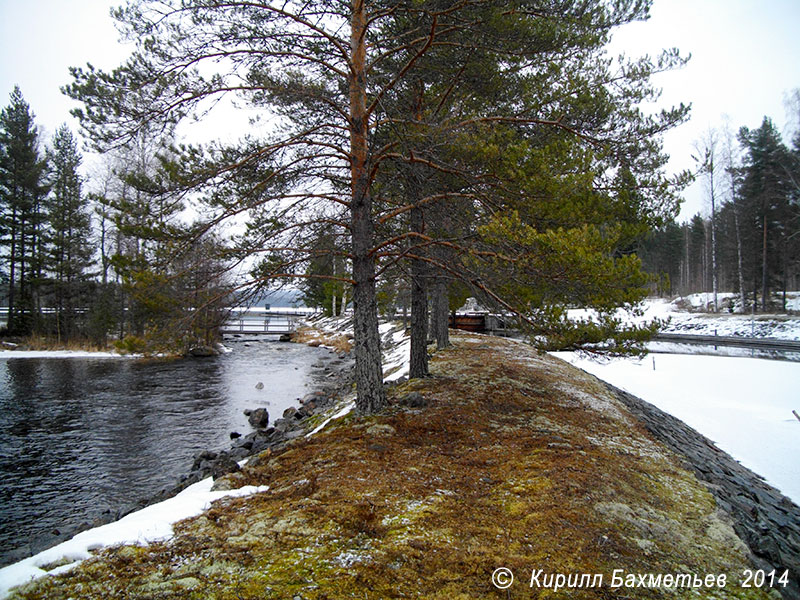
column 400, row 155
column 502, row 458
column 89, row 269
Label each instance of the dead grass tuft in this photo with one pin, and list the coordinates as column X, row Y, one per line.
column 46, row 343
column 315, row 337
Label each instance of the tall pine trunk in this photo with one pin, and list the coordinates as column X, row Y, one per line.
column 419, row 304
column 371, row 397
column 333, row 293
column 441, row 314
column 12, row 276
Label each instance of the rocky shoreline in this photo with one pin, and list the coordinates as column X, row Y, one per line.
column 767, row 521
column 332, row 377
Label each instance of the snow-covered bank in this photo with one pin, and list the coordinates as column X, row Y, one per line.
column 395, row 346
column 690, row 315
column 779, row 326
column 395, row 342
column 6, row 354
column 743, row 404
column 662, row 347
column 150, row 524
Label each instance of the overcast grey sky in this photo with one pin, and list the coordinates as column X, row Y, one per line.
column 745, row 59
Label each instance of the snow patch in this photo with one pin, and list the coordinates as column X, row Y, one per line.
column 153, row 523
column 743, row 404
column 6, row 354
column 348, row 406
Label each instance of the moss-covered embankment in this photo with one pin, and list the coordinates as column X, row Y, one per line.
column 501, row 459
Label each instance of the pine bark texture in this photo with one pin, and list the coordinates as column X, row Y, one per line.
column 371, row 397
column 441, row 314
column 419, row 307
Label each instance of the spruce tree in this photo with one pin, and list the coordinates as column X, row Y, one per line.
column 69, row 239
column 21, row 192
column 766, row 193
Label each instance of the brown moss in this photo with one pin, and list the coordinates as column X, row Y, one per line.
column 518, row 461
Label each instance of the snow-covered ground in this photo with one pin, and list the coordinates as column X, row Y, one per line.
column 688, row 315
column 150, row 524
column 6, row 354
column 681, row 320
column 744, row 405
column 395, row 342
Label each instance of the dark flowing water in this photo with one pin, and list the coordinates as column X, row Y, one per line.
column 82, row 435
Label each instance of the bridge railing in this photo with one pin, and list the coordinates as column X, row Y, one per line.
column 275, row 322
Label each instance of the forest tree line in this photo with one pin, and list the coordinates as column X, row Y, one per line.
column 83, row 266
column 749, row 244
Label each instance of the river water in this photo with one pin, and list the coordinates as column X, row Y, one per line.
column 82, row 435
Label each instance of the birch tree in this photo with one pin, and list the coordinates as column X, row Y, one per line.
column 707, row 159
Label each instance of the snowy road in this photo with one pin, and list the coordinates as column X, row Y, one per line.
column 743, row 404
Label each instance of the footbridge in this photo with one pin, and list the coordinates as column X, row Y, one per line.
column 283, row 321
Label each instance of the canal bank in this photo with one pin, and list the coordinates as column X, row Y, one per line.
column 87, row 438
column 503, row 458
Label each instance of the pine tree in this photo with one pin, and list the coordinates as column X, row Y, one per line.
column 501, row 135
column 21, row 192
column 337, row 78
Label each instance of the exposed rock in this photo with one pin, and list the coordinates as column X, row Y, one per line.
column 235, row 435
column 202, row 351
column 312, row 397
column 381, row 429
column 289, row 413
column 258, row 418
column 240, row 453
column 306, row 410
column 413, row 400
column 260, row 385
column 223, row 465
column 230, row 481
column 259, row 446
column 207, row 456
